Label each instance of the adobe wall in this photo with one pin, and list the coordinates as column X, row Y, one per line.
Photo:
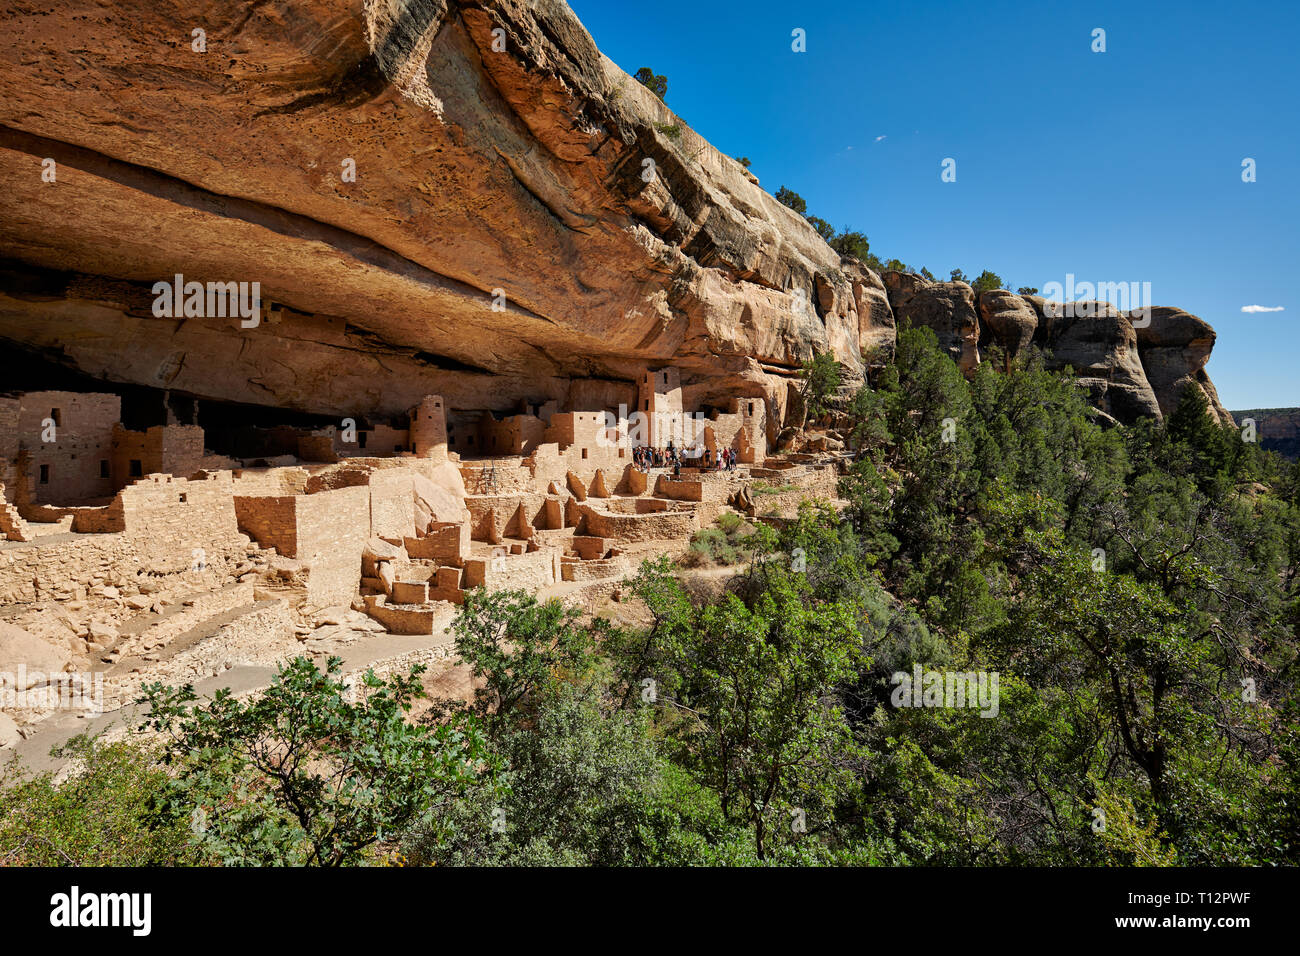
column 79, row 462
column 271, row 481
column 496, row 477
column 8, row 438
column 550, row 464
column 271, row 521
column 448, row 542
column 182, row 448
column 161, row 534
column 167, row 518
column 63, row 571
column 332, row 532
column 513, row 435
column 639, row 527
column 527, row 572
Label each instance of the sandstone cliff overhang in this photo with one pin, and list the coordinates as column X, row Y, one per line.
column 523, row 213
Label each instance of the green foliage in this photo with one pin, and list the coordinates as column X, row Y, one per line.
column 655, row 83
column 103, row 814
column 824, row 228
column 1027, row 290
column 299, row 775
column 729, row 542
column 746, row 683
column 849, row 242
column 515, row 644
column 987, row 281
column 790, row 198
column 821, row 378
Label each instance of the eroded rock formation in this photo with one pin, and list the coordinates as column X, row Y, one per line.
column 1133, row 364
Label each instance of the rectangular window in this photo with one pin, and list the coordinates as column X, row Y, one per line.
column 103, row 468
column 361, row 439
column 45, row 474
column 57, row 415
column 137, row 468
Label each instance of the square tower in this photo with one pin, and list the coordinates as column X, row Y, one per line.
column 659, row 400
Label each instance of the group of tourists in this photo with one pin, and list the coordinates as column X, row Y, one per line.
column 645, row 457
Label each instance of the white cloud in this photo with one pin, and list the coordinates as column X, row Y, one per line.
column 879, row 138
column 1263, row 308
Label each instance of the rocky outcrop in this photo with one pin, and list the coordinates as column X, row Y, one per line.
column 1100, row 344
column 946, row 307
column 1175, row 346
column 1006, row 320
column 1132, row 365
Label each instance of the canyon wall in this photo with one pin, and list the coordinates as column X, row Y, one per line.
column 453, row 197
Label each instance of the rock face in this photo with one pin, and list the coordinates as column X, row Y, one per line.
column 1277, row 429
column 454, row 197
column 946, row 307
column 1100, row 344
column 1175, row 346
column 1008, row 320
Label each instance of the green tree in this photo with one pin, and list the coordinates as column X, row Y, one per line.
column 821, row 378
column 986, row 282
column 655, row 83
column 852, row 243
column 790, row 198
column 300, row 776
column 748, row 688
column 515, row 644
column 824, row 228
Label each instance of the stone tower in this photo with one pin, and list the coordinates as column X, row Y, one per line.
column 429, row 428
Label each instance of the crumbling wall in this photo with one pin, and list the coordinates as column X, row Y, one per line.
column 271, row 521
column 169, row 519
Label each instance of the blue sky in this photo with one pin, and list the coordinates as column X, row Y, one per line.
column 1123, row 166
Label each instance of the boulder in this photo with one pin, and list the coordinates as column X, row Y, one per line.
column 20, row 648
column 440, row 498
